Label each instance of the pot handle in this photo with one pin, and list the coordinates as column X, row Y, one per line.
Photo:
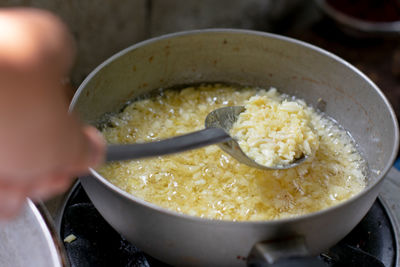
column 289, row 252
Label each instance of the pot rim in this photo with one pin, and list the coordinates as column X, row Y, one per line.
column 57, row 254
column 157, row 208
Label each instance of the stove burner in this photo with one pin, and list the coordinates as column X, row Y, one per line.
column 371, row 243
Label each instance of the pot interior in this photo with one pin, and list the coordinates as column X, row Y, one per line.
column 253, row 59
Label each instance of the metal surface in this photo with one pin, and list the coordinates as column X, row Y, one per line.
column 390, row 200
column 205, row 137
column 247, row 58
column 224, row 118
column 27, row 241
column 282, row 253
column 358, row 27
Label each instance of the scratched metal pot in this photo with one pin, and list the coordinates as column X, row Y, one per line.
column 247, row 58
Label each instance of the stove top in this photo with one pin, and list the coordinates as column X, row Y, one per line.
column 372, row 243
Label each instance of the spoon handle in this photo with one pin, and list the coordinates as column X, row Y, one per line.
column 177, row 144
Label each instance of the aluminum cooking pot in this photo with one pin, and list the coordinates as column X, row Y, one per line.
column 247, row 58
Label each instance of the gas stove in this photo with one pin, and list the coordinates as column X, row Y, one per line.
column 374, row 242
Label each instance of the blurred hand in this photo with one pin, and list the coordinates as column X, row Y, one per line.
column 42, row 147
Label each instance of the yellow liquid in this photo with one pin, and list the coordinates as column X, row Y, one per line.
column 209, row 183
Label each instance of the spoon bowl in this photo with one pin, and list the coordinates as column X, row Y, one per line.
column 218, row 124
column 224, row 118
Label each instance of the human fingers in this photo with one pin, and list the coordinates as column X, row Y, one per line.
column 42, row 35
column 12, row 198
column 97, row 144
column 52, row 185
column 90, row 154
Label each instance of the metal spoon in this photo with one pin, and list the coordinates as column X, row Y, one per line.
column 218, row 123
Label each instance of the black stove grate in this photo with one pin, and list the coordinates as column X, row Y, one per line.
column 371, row 243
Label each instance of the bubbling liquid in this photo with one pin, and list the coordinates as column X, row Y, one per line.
column 207, row 182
